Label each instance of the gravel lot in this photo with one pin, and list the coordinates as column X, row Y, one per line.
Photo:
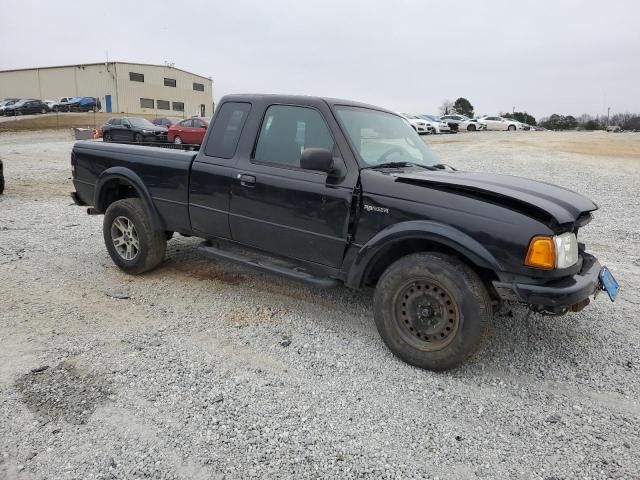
column 206, row 370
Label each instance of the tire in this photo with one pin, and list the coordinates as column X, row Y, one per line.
column 1, row 184
column 43, row 111
column 56, row 109
column 471, row 128
column 511, row 128
column 177, row 140
column 138, row 138
column 151, row 243
column 432, row 310
column 106, row 137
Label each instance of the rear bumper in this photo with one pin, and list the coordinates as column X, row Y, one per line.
column 563, row 292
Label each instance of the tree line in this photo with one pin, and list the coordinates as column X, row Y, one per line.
column 626, row 121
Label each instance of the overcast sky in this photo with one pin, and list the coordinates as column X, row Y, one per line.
column 567, row 57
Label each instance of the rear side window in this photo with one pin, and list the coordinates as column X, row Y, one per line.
column 225, row 132
column 286, row 131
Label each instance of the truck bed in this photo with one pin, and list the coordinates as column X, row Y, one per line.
column 164, row 173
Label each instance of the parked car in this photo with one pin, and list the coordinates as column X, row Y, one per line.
column 464, row 123
column 500, row 123
column 25, row 107
column 59, row 104
column 165, row 121
column 419, row 125
column 84, row 104
column 1, row 178
column 438, row 125
column 132, row 129
column 331, row 191
column 7, row 102
column 189, row 130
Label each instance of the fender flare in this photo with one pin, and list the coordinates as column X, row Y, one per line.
column 418, row 230
column 128, row 175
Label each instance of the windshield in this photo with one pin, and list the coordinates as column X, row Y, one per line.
column 141, row 123
column 380, row 137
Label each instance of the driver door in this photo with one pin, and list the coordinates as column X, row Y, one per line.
column 126, row 131
column 280, row 208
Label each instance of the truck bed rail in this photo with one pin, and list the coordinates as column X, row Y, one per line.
column 189, row 147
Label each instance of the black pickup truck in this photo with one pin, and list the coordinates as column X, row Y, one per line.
column 331, row 191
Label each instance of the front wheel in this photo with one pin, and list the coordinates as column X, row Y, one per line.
column 132, row 242
column 512, row 128
column 471, row 128
column 432, row 310
column 106, row 137
column 177, row 140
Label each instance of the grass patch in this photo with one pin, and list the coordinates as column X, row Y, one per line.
column 58, row 121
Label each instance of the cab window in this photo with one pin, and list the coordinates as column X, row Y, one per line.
column 286, row 131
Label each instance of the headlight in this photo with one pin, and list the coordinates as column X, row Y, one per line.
column 545, row 252
column 566, row 250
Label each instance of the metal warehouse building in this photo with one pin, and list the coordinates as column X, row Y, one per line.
column 121, row 87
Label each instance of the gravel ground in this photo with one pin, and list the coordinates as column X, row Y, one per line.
column 206, row 370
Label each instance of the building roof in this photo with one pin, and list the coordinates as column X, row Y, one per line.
column 102, row 63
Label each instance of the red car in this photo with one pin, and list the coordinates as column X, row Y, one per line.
column 189, row 130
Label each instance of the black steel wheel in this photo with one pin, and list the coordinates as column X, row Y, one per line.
column 432, row 310
column 426, row 315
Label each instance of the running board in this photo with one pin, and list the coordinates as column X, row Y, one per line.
column 289, row 272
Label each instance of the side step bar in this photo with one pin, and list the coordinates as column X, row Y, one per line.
column 320, row 282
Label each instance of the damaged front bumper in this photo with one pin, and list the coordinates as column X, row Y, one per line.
column 557, row 296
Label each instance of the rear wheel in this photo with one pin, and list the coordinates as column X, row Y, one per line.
column 133, row 244
column 432, row 310
column 56, row 109
column 177, row 140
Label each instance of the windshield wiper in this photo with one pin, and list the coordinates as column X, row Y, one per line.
column 444, row 166
column 401, row 164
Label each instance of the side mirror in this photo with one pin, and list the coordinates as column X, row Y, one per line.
column 127, row 125
column 319, row 159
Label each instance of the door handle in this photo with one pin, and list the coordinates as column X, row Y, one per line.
column 246, row 180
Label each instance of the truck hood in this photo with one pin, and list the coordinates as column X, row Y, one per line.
column 529, row 196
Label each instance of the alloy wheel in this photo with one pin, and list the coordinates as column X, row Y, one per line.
column 125, row 238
